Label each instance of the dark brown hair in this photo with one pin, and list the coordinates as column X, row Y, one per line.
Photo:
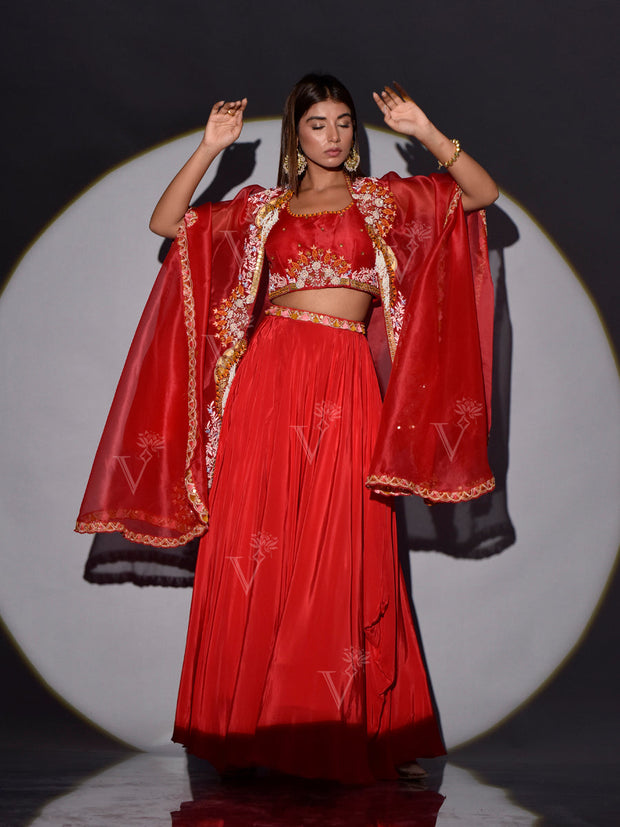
column 309, row 90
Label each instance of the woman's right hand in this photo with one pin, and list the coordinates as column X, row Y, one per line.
column 222, row 129
column 224, row 125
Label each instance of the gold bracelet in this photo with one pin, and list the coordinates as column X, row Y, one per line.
column 457, row 152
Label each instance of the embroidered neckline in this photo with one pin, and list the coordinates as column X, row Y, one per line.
column 321, row 212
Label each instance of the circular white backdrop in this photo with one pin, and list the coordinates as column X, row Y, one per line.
column 493, row 629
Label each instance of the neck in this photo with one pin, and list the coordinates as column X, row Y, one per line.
column 318, row 178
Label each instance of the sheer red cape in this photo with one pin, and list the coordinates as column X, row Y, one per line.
column 431, row 342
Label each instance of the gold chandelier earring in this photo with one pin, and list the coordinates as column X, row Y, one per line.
column 302, row 162
column 353, row 160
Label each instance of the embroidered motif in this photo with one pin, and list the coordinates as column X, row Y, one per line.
column 398, row 315
column 232, row 317
column 212, row 438
column 316, row 266
column 224, row 372
column 378, row 206
column 272, row 198
column 376, row 203
column 318, row 318
column 321, row 268
column 190, row 218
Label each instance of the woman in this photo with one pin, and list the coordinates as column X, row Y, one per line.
column 301, row 652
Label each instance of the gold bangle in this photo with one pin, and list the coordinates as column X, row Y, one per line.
column 457, row 152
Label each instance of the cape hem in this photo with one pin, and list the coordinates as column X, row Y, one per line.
column 96, row 527
column 393, row 486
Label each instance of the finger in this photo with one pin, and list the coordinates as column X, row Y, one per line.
column 217, row 106
column 385, row 110
column 402, row 92
column 239, row 105
column 390, row 97
column 230, row 108
column 379, row 102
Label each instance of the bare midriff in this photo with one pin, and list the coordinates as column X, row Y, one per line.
column 344, row 302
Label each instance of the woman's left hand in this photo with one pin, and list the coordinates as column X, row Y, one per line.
column 400, row 112
column 403, row 115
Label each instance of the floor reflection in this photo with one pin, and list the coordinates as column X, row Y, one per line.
column 282, row 802
column 163, row 790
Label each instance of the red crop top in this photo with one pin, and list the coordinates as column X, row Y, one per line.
column 326, row 249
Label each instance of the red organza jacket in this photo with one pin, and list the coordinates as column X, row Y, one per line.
column 431, row 340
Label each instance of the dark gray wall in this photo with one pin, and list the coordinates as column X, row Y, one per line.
column 530, row 88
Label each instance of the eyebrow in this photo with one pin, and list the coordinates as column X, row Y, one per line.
column 322, row 118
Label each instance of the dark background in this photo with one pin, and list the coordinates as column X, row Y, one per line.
column 530, row 88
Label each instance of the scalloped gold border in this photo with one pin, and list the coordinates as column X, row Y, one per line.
column 189, row 316
column 403, row 486
column 98, row 527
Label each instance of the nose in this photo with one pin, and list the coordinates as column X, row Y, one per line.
column 333, row 134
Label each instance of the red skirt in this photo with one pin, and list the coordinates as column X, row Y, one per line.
column 301, row 652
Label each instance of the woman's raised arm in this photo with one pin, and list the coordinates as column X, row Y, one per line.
column 403, row 115
column 222, row 129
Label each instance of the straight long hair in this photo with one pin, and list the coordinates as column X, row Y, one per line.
column 311, row 89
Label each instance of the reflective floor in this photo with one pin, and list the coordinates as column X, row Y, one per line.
column 553, row 763
column 95, row 786
column 169, row 789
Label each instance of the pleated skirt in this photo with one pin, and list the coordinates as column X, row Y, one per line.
column 301, row 652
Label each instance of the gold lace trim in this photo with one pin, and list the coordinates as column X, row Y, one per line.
column 393, row 486
column 99, row 527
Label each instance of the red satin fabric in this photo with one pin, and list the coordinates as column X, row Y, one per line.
column 301, row 653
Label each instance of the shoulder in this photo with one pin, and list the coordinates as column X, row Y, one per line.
column 436, row 182
column 421, row 194
column 241, row 209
